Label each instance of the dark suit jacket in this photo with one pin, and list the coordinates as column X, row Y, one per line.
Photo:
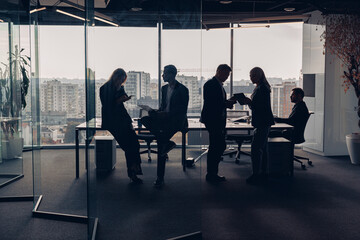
column 214, row 109
column 113, row 115
column 297, row 118
column 178, row 106
column 261, row 107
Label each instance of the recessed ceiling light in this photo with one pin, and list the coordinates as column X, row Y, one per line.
column 289, row 9
column 225, row 2
column 136, row 9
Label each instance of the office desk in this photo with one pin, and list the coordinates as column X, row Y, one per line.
column 194, row 125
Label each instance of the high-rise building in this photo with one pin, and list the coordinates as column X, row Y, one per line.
column 280, row 98
column 138, row 84
column 154, row 91
column 57, row 96
column 192, row 83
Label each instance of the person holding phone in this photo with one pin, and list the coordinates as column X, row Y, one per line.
column 118, row 122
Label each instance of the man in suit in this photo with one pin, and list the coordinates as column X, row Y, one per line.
column 213, row 115
column 297, row 118
column 169, row 119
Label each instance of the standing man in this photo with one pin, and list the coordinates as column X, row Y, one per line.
column 213, row 115
column 169, row 119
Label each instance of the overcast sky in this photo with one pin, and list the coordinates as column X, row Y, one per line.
column 278, row 50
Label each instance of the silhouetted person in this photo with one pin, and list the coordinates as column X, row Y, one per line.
column 117, row 121
column 262, row 119
column 297, row 118
column 213, row 115
column 169, row 119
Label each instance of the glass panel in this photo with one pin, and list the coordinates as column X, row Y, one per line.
column 55, row 39
column 142, row 44
column 90, row 105
column 35, row 109
column 314, row 84
column 11, row 79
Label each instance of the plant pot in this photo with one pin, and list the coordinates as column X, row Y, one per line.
column 353, row 146
column 12, row 148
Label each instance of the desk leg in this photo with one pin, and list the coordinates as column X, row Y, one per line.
column 183, row 151
column 77, row 152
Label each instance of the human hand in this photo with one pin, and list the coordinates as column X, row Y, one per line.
column 230, row 103
column 246, row 101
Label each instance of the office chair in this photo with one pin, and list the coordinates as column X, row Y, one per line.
column 238, row 137
column 296, row 136
column 145, row 135
column 300, row 139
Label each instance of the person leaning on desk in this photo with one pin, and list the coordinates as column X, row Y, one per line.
column 262, row 119
column 118, row 122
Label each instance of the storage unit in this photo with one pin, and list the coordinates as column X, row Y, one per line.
column 105, row 153
column 281, row 154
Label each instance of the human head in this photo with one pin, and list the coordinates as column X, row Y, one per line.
column 297, row 95
column 257, row 75
column 118, row 77
column 223, row 72
column 169, row 73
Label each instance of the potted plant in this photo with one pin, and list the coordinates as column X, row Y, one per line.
column 14, row 82
column 342, row 38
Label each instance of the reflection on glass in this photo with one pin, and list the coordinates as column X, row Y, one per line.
column 11, row 81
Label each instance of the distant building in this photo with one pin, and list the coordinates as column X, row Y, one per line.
column 53, row 118
column 280, row 98
column 192, row 83
column 59, row 97
column 154, row 91
column 138, row 84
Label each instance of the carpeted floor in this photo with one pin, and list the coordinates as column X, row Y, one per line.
column 319, row 203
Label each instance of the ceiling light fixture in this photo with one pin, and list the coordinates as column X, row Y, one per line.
column 225, row 2
column 136, row 9
column 106, row 21
column 289, row 9
column 243, row 26
column 70, row 15
column 37, row 10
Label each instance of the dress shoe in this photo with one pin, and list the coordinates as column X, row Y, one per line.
column 215, row 178
column 167, row 148
column 159, row 183
column 136, row 180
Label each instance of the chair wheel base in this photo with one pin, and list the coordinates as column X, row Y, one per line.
column 310, row 163
column 303, row 167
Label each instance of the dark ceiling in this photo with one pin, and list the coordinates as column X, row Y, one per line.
column 178, row 13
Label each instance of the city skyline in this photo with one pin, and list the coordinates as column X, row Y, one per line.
column 277, row 50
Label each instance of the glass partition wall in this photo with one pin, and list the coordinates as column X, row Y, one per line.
column 13, row 89
column 142, row 44
column 54, row 55
column 73, row 55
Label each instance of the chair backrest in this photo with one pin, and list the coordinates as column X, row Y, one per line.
column 234, row 115
column 298, row 133
column 237, row 113
column 142, row 113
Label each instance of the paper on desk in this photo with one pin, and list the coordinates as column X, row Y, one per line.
column 145, row 107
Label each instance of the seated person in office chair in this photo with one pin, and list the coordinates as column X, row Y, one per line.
column 297, row 118
column 169, row 119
